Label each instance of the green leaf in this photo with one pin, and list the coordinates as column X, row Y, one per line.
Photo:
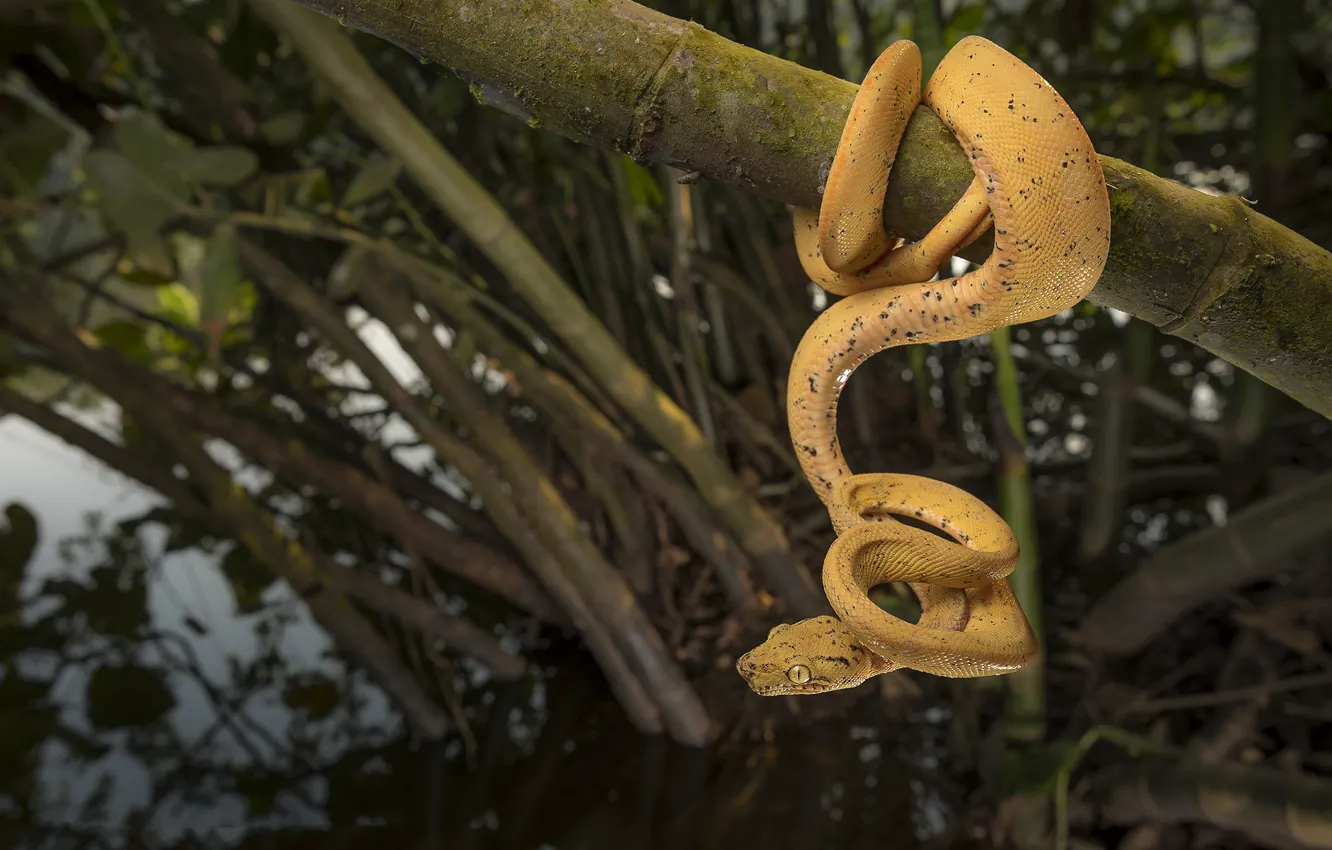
column 372, row 180
column 966, row 21
column 218, row 167
column 117, row 604
column 219, row 275
column 40, row 382
column 159, row 514
column 312, row 188
column 248, row 579
column 260, row 788
column 10, row 364
column 59, row 231
column 1035, row 769
column 349, row 270
column 284, row 129
column 18, row 542
column 132, row 202
column 120, row 697
column 315, row 695
column 26, row 149
column 179, row 304
column 643, row 188
column 26, row 722
column 128, row 338
column 20, row 536
column 143, row 277
column 155, row 151
column 188, row 533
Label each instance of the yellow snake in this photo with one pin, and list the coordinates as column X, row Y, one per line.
column 1039, row 182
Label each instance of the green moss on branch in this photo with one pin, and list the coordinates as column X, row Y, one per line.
column 617, row 75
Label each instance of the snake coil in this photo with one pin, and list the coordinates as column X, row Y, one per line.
column 1039, row 184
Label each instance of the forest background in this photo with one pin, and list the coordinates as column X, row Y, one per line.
column 393, row 443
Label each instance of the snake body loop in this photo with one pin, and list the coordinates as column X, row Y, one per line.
column 1039, row 184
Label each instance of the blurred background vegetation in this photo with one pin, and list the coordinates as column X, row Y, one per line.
column 337, row 511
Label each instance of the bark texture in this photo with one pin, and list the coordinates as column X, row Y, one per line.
column 616, row 75
column 1254, row 544
column 1275, row 808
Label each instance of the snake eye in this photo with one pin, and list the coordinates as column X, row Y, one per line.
column 798, row 674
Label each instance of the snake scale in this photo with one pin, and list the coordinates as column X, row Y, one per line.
column 1039, row 184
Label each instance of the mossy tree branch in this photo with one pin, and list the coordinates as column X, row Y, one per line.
column 619, row 76
column 1275, row 807
column 1255, row 543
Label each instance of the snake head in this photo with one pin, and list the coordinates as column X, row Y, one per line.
column 809, row 657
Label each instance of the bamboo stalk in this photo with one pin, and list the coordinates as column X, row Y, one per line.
column 373, row 105
column 756, row 432
column 211, row 97
column 723, row 361
column 601, row 244
column 1026, row 706
column 446, row 291
column 655, row 321
column 1108, row 469
column 693, row 349
column 736, row 286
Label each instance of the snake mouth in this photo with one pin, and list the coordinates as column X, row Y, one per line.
column 748, row 669
column 779, row 689
column 817, row 686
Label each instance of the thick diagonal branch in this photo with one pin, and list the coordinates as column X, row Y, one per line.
column 1253, row 544
column 619, row 76
column 1273, row 807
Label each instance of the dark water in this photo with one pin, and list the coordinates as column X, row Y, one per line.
column 147, row 700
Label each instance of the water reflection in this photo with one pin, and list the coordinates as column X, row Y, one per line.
column 151, row 696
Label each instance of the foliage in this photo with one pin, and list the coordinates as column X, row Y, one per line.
column 138, row 204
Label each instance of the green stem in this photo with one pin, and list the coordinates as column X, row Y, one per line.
column 1026, row 706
